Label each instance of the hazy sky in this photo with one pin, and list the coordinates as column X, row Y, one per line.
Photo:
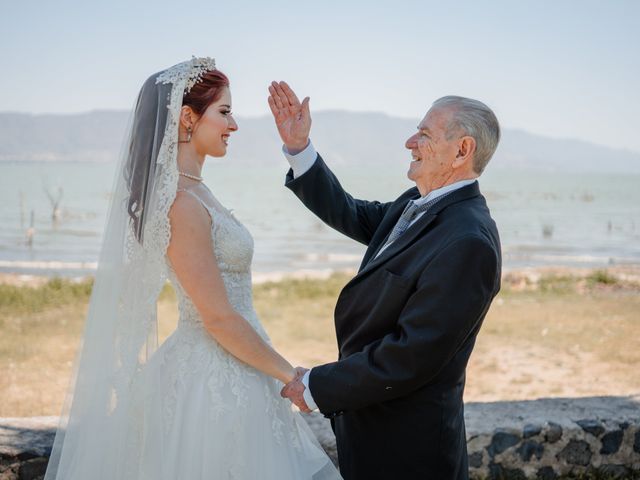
column 558, row 68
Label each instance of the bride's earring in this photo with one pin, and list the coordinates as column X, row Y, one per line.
column 188, row 136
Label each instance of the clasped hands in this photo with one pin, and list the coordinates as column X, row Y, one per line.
column 294, row 390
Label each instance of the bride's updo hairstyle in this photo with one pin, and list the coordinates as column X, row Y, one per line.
column 206, row 91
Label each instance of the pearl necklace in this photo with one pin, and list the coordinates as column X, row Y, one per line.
column 192, row 177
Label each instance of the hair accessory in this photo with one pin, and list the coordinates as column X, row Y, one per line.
column 192, row 70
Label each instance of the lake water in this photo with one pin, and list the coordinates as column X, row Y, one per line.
column 543, row 218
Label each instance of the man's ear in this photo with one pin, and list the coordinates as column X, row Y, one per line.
column 466, row 149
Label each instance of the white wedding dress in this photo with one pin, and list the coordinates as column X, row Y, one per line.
column 206, row 414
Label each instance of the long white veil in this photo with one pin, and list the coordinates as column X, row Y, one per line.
column 98, row 435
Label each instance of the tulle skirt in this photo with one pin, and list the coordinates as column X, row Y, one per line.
column 206, row 415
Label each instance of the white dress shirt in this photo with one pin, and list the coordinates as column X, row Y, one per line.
column 303, row 161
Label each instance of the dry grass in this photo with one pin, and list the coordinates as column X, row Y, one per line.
column 547, row 344
column 558, row 335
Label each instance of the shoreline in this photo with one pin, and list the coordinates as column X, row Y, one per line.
column 258, row 278
column 513, row 277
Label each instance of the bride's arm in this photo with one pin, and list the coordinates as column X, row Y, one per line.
column 193, row 260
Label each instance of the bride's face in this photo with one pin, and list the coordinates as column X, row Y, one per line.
column 212, row 130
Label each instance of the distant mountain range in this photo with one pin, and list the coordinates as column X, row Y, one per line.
column 341, row 136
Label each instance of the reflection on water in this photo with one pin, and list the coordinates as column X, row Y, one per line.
column 544, row 218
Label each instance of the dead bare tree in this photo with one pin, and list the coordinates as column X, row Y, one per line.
column 56, row 211
column 21, row 210
column 31, row 231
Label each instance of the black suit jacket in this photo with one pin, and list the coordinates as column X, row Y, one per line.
column 406, row 325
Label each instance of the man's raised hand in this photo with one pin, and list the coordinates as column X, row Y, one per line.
column 292, row 118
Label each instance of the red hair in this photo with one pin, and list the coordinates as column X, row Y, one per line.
column 206, row 91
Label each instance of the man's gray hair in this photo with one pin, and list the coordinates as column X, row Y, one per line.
column 472, row 117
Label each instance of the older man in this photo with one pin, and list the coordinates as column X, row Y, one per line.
column 407, row 322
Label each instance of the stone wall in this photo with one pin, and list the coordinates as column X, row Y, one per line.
column 544, row 439
column 550, row 438
column 25, row 445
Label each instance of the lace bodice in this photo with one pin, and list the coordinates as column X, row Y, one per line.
column 233, row 248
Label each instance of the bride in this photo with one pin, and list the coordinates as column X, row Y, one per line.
column 205, row 404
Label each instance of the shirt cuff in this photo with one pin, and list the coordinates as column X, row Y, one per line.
column 303, row 161
column 308, row 398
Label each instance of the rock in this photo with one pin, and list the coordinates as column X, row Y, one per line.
column 577, row 452
column 614, row 471
column 475, row 460
column 502, row 440
column 554, row 433
column 498, row 472
column 27, row 437
column 9, row 472
column 593, row 427
column 529, row 448
column 33, row 469
column 611, row 442
column 636, row 442
column 531, row 430
column 546, row 473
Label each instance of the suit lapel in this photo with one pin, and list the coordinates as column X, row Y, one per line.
column 415, row 230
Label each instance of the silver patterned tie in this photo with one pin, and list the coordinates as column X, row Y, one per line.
column 411, row 211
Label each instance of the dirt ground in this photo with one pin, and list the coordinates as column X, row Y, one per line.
column 549, row 333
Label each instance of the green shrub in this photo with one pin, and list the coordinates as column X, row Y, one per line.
column 56, row 292
column 557, row 283
column 601, row 277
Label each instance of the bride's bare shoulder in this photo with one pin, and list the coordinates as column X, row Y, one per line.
column 188, row 210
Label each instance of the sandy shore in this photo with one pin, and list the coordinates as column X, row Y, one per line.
column 26, row 280
column 514, row 277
